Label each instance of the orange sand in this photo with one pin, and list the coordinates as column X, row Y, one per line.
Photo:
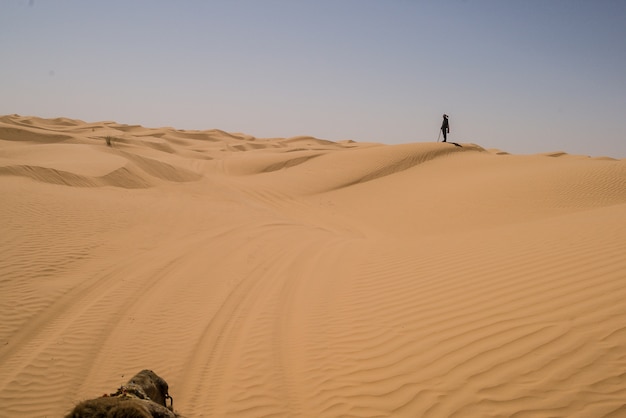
column 302, row 277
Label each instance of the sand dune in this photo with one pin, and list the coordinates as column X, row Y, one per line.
column 304, row 277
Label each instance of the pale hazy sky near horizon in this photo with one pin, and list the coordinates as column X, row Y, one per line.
column 525, row 77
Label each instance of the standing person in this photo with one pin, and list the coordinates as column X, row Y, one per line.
column 445, row 127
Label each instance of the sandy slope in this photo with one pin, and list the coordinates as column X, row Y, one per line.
column 301, row 277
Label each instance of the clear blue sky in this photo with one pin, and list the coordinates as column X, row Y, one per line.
column 522, row 76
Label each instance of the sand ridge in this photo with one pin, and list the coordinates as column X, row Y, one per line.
column 305, row 277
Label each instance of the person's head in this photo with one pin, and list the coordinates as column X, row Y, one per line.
column 445, row 116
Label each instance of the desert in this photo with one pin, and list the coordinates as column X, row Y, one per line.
column 301, row 277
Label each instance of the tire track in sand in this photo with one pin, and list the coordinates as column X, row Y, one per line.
column 250, row 358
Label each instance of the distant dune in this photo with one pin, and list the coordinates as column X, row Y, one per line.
column 299, row 277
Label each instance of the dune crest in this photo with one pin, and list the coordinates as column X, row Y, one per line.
column 305, row 277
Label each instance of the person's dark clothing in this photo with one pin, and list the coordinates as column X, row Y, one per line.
column 445, row 128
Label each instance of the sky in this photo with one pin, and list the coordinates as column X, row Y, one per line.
column 524, row 77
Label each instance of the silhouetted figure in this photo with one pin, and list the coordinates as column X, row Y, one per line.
column 445, row 127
